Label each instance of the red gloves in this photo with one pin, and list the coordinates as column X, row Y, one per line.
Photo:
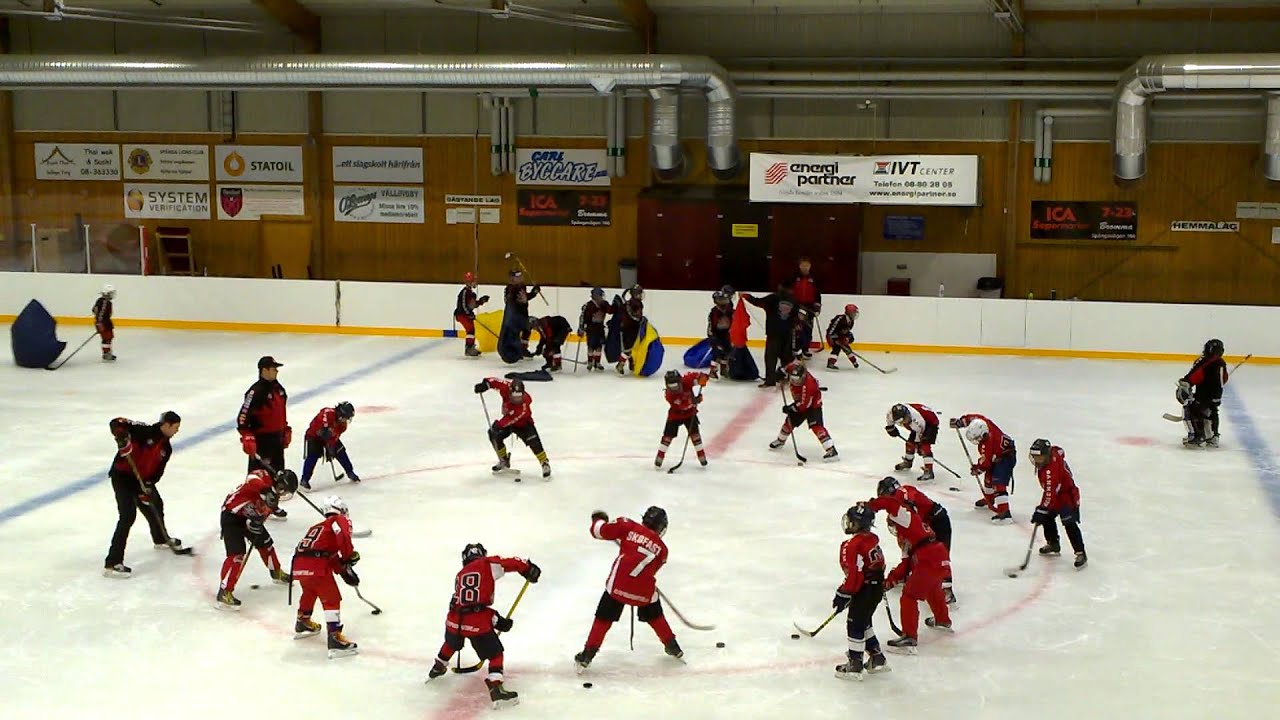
column 250, row 445
column 896, row 576
column 288, row 436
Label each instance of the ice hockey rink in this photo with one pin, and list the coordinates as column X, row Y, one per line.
column 1175, row 616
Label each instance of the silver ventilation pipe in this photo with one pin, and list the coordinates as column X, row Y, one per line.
column 1271, row 145
column 495, row 135
column 509, row 142
column 610, row 125
column 1161, row 73
column 665, row 154
column 420, row 73
column 620, row 134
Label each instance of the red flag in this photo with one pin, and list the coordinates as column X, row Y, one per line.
column 741, row 321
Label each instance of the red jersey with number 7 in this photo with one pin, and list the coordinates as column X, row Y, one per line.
column 641, row 553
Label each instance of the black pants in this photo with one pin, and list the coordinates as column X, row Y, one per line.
column 487, row 645
column 858, row 627
column 720, row 346
column 271, row 449
column 238, row 532
column 595, row 336
column 777, row 353
column 528, row 434
column 610, row 608
column 127, row 491
column 673, row 427
column 1070, row 523
column 940, row 522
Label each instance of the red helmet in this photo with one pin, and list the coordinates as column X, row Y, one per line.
column 469, row 278
column 851, row 309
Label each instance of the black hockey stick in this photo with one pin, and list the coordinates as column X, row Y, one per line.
column 525, row 272
column 73, row 352
column 376, row 610
column 336, row 475
column 968, row 457
column 944, row 467
column 682, row 453
column 877, row 367
column 363, row 533
column 794, row 446
column 679, row 615
column 818, row 629
column 892, row 625
column 1013, row 572
column 156, row 511
column 472, row 668
column 489, row 428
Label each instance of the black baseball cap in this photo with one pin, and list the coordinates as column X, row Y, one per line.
column 266, row 361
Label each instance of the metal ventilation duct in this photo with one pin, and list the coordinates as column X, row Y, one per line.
column 1157, row 74
column 406, row 72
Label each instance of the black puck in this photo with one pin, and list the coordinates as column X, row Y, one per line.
column 586, row 685
column 719, row 644
column 254, row 587
column 517, row 478
column 795, row 636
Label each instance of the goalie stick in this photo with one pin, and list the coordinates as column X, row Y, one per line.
column 1178, row 418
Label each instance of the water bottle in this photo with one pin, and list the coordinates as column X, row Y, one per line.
column 942, row 290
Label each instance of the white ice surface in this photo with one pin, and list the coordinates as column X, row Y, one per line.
column 1175, row 616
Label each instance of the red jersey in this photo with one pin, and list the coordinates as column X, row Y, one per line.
column 719, row 320
column 633, row 580
column 904, row 521
column 994, row 446
column 593, row 314
column 325, row 548
column 514, row 414
column 1055, row 477
column 922, row 417
column 146, row 444
column 805, row 290
column 327, row 427
column 474, row 585
column 102, row 313
column 916, row 500
column 264, row 409
column 807, row 395
column 862, row 562
column 684, row 404
column 246, row 500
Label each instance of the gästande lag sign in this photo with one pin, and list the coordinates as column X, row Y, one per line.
column 873, row 179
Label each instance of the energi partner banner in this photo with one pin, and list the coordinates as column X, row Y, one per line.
column 875, row 180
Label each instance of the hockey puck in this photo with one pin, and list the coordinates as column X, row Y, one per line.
column 719, row 644
column 517, row 478
column 586, row 685
column 795, row 636
column 254, row 587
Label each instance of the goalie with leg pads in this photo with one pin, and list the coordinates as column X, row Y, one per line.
column 1200, row 393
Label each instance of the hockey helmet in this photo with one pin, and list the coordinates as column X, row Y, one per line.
column 672, row 379
column 655, row 518
column 108, row 290
column 334, row 505
column 858, row 518
column 516, row 388
column 469, row 278
column 345, row 410
column 796, row 372
column 285, row 483
column 785, row 307
column 1214, row 347
column 597, row 293
column 515, row 274
column 851, row 310
column 976, row 431
column 887, row 486
column 728, row 290
column 1040, row 450
column 473, row 551
column 900, row 413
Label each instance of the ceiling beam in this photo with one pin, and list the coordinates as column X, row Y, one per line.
column 1204, row 14
column 300, row 21
column 637, row 13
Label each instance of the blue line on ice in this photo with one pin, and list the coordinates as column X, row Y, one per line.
column 1260, row 454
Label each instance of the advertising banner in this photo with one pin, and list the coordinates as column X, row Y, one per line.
column 77, row 161
column 251, row 202
column 1081, row 220
column 585, row 208
column 875, row 180
column 166, row 162
column 377, row 164
column 358, row 203
column 259, row 163
column 166, row 201
column 579, row 168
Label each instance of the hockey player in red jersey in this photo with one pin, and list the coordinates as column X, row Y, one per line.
column 1200, row 393
column 324, row 441
column 632, row 581
column 805, row 406
column 1060, row 499
column 719, row 320
column 861, row 592
column 840, row 336
column 142, row 454
column 465, row 312
column 552, row 330
column 683, row 395
column 591, row 325
column 243, row 513
column 326, row 550
column 921, row 422
column 517, row 419
column 933, row 514
column 471, row 616
column 997, row 457
column 925, row 566
column 102, row 309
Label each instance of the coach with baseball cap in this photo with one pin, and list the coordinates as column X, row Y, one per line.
column 263, row 422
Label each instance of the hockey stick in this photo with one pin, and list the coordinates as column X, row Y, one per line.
column 969, row 457
column 577, row 352
column 336, row 475
column 892, row 625
column 1013, row 572
column 682, row 453
column 156, row 511
column 472, row 668
column 376, row 610
column 877, row 367
column 818, row 629
column 944, row 467
column 73, row 352
column 681, row 617
column 525, row 271
column 1179, row 418
column 794, row 446
column 363, row 533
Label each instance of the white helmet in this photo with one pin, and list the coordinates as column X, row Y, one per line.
column 334, row 505
column 976, row 431
column 109, row 290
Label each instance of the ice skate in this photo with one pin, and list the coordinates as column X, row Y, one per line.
column 672, row 648
column 850, row 669
column 933, row 623
column 980, row 504
column 1004, row 518
column 472, row 351
column 1050, row 549
column 173, row 544
column 904, row 465
column 437, row 669
column 280, row 514
column 713, row 372
column 108, row 356
column 621, row 367
column 1081, row 560
column 584, row 658
column 777, row 443
column 280, row 577
column 903, row 645
column 831, row 455
column 702, row 460
column 949, row 596
column 226, row 601
column 831, row 364
column 1192, row 441
column 1212, row 442
column 877, row 663
column 504, row 463
column 305, row 627
column 546, row 470
column 340, row 646
column 926, row 476
column 119, row 571
column 305, row 483
column 500, row 696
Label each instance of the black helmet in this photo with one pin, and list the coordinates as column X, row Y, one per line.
column 887, row 486
column 655, row 518
column 727, row 291
column 1214, row 347
column 637, row 292
column 345, row 410
column 1040, row 449
column 900, row 413
column 515, row 273
column 285, row 483
column 473, row 551
column 597, row 292
column 858, row 518
column 270, row 497
column 516, row 387
column 672, row 379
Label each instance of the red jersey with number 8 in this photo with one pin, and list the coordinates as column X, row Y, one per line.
column 641, row 553
column 469, row 611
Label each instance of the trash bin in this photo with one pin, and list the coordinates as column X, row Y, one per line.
column 628, row 275
column 990, row 287
column 899, row 286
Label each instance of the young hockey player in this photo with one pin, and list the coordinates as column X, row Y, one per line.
column 1200, row 392
column 263, row 422
column 633, row 581
column 142, row 453
column 840, row 336
column 719, row 320
column 922, row 424
column 243, row 513
column 683, row 411
column 632, row 321
column 323, row 441
column 102, row 310
column 997, row 457
column 472, row 617
column 517, row 419
column 808, row 306
column 464, row 312
column 591, row 325
column 861, row 592
column 925, row 566
column 326, row 550
column 779, row 325
column 933, row 514
column 516, row 299
column 553, row 330
column 805, row 406
column 1061, row 499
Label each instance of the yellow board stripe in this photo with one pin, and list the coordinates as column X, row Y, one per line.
column 220, row 326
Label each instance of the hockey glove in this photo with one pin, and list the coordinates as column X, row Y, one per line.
column 349, row 576
column 355, row 558
column 1040, row 516
column 954, row 424
column 841, row 601
column 482, row 386
column 1183, row 394
column 892, row 430
column 502, row 624
column 599, row 516
column 482, row 300
column 975, row 470
column 533, row 573
column 288, row 436
column 255, row 527
column 249, row 444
